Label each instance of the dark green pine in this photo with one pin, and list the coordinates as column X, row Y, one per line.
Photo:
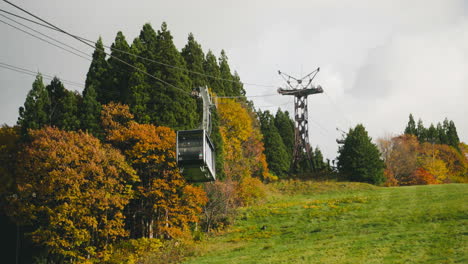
column 452, row 135
column 194, row 58
column 285, row 126
column 97, row 74
column 411, row 127
column 90, row 112
column 211, row 68
column 139, row 97
column 63, row 111
column 119, row 72
column 359, row 159
column 225, row 74
column 277, row 157
column 170, row 103
column 421, row 131
column 35, row 112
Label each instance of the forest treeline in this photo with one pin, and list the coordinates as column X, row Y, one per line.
column 92, row 177
column 88, row 174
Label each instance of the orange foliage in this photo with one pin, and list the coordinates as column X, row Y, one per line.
column 422, row 177
column 73, row 190
column 165, row 204
column 243, row 146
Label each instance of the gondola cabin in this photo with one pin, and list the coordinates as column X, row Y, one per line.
column 196, row 155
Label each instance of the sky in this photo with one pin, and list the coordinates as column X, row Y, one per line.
column 379, row 60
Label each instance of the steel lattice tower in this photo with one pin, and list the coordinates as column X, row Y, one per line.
column 300, row 89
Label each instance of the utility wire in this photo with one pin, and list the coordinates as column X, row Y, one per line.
column 338, row 108
column 32, row 35
column 49, row 37
column 75, row 37
column 48, row 77
column 84, row 40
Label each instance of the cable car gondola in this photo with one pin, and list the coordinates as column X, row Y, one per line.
column 195, row 151
column 196, row 155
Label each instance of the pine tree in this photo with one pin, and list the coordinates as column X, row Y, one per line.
column 432, row 135
column 119, row 73
column 34, row 113
column 90, row 112
column 452, row 136
column 442, row 133
column 97, row 73
column 359, row 159
column 421, row 131
column 170, row 103
column 139, row 95
column 278, row 160
column 225, row 74
column 194, row 58
column 285, row 126
column 411, row 127
column 63, row 111
column 211, row 67
column 318, row 161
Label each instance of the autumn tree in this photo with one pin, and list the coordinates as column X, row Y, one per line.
column 359, row 159
column 164, row 205
column 242, row 138
column 72, row 190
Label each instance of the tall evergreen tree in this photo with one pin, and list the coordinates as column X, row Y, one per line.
column 211, row 67
column 225, row 74
column 63, row 111
column 119, row 73
column 411, row 127
column 432, row 135
column 421, row 131
column 91, row 112
column 285, row 126
column 194, row 58
column 97, row 73
column 452, row 135
column 319, row 163
column 277, row 157
column 139, row 95
column 170, row 103
column 442, row 133
column 34, row 113
column 359, row 159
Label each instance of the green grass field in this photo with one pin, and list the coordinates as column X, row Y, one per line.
column 348, row 223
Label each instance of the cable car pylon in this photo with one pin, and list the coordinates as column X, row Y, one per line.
column 300, row 89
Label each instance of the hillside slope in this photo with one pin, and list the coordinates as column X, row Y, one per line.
column 417, row 224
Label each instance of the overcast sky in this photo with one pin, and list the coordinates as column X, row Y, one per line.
column 379, row 60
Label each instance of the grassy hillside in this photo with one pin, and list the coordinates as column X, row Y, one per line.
column 348, row 223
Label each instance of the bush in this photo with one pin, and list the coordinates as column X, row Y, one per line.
column 249, row 191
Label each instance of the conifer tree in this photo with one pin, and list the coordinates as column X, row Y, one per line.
column 34, row 113
column 97, row 73
column 225, row 74
column 211, row 67
column 118, row 73
column 285, row 126
column 432, row 135
column 442, row 133
column 139, row 95
column 63, row 111
column 421, row 132
column 277, row 157
column 452, row 136
column 90, row 112
column 194, row 58
column 359, row 159
column 170, row 103
column 411, row 127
